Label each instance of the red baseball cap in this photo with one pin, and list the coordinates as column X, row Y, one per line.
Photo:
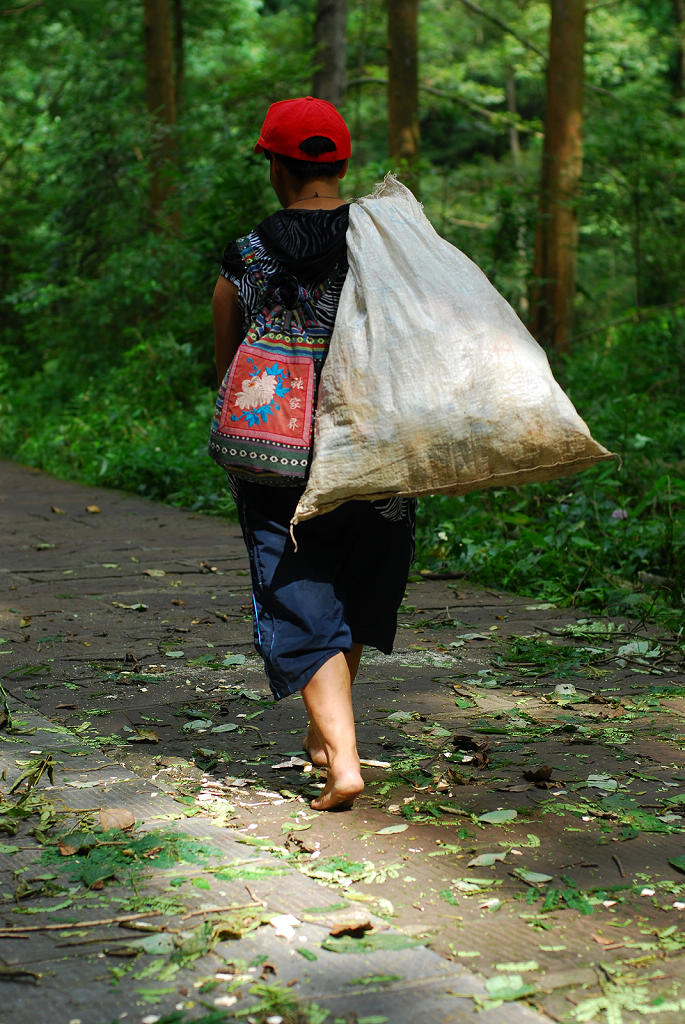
column 290, row 122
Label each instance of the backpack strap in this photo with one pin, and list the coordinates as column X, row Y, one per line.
column 251, row 260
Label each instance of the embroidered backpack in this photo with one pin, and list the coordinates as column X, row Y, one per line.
column 263, row 419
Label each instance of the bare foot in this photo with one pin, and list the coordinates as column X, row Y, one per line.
column 312, row 744
column 339, row 792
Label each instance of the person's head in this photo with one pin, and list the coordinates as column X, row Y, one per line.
column 308, row 137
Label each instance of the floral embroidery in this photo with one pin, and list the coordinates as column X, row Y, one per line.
column 258, row 393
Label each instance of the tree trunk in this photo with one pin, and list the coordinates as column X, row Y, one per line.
column 514, row 142
column 330, row 44
column 161, row 102
column 403, row 89
column 179, row 54
column 556, row 239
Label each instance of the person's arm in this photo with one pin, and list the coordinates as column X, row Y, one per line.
column 227, row 319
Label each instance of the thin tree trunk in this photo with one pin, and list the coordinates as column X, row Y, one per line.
column 403, row 89
column 179, row 54
column 557, row 231
column 517, row 211
column 161, row 102
column 330, row 44
column 514, row 143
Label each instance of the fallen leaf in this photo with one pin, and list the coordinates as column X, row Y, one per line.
column 399, row 716
column 293, row 826
column 368, row 943
column 116, row 817
column 500, row 817
column 519, row 968
column 678, row 863
column 641, row 648
column 154, row 572
column 390, row 830
column 473, row 885
column 603, row 782
column 531, row 877
column 292, row 762
column 178, row 602
column 143, row 735
column 198, row 725
column 354, row 928
column 508, row 987
column 158, row 944
column 138, row 606
column 93, row 509
column 485, row 860
column 58, row 511
column 233, row 659
column 65, row 849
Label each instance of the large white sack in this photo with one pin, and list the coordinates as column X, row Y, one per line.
column 432, row 385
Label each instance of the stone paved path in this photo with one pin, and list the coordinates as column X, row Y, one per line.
column 518, row 848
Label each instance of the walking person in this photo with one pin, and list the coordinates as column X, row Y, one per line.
column 318, row 602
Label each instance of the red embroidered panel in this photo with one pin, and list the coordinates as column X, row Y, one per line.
column 269, row 396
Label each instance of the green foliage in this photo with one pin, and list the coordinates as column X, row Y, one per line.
column 101, row 855
column 142, row 426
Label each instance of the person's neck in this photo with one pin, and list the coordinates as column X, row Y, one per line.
column 315, row 195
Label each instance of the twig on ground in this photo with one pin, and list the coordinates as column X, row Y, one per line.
column 618, row 864
column 220, row 910
column 6, row 933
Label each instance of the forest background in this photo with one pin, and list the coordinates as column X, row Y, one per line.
column 113, row 221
